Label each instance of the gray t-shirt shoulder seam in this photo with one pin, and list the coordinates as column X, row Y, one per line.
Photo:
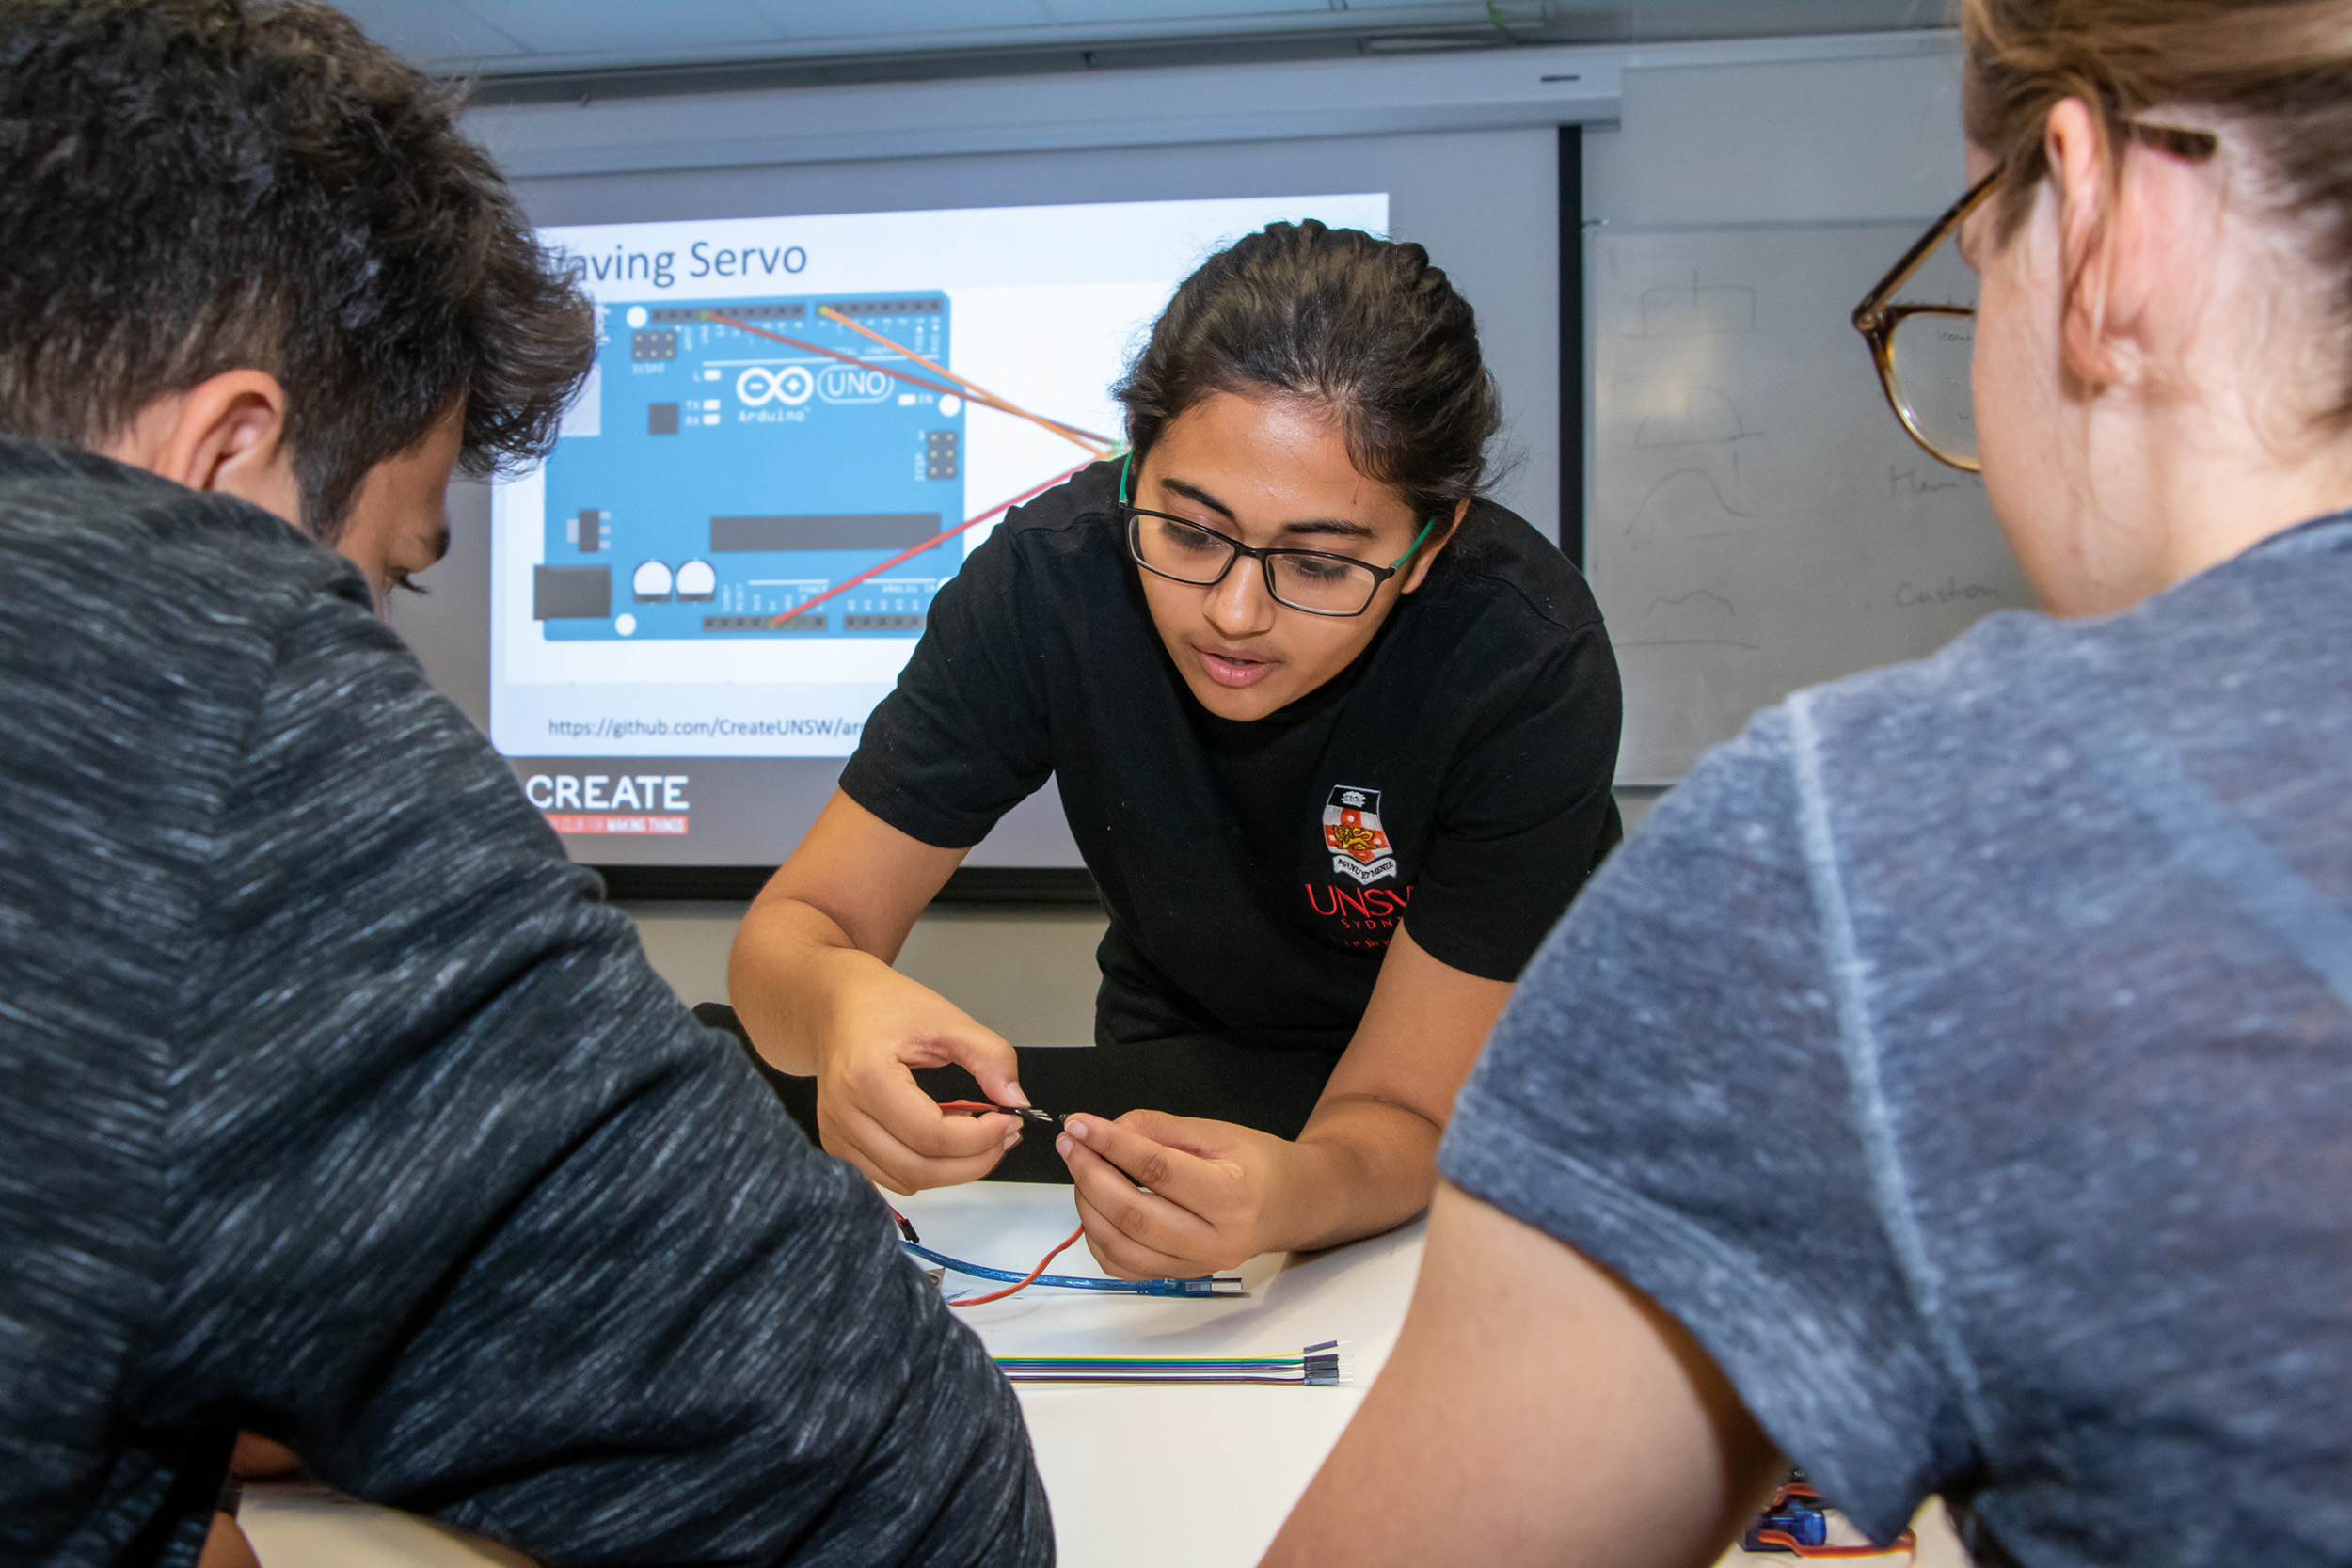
column 1857, row 1042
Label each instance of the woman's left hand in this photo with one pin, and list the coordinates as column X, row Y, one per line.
column 1212, row 1187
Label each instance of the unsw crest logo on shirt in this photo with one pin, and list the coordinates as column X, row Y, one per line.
column 1351, row 825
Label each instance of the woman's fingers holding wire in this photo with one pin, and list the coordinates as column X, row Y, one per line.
column 854, row 1135
column 1167, row 1169
column 1124, row 1257
column 874, row 1114
column 876, row 1030
column 1194, row 1135
column 886, row 1093
column 988, row 1057
column 1200, row 1212
column 874, row 1075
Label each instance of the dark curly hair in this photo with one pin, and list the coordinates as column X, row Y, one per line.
column 194, row 186
column 1362, row 326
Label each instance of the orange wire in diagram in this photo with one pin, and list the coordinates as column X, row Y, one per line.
column 1099, row 444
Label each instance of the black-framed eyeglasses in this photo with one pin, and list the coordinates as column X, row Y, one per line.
column 1314, row 582
column 1924, row 352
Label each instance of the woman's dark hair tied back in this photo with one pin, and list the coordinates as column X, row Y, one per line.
column 1363, row 327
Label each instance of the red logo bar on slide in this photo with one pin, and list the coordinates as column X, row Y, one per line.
column 574, row 822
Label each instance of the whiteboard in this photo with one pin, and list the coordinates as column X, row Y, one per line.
column 1759, row 521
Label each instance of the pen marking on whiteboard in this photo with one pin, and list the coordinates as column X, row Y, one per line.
column 1693, row 416
column 1696, row 309
column 1713, row 493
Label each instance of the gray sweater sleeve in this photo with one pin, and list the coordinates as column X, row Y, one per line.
column 1667, row 1093
column 463, row 1205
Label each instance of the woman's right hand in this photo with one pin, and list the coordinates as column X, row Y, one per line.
column 811, row 980
column 878, row 1025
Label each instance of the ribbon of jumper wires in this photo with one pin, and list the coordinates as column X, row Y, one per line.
column 1316, row 1367
column 1093, row 444
column 1796, row 1522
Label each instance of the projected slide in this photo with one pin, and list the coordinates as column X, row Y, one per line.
column 796, row 431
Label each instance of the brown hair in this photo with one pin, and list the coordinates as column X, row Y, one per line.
column 2278, row 73
column 191, row 186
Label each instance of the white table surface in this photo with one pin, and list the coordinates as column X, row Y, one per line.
column 1201, row 1475
column 1138, row 1475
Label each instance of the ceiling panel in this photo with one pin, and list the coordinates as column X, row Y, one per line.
column 540, row 35
column 904, row 24
column 518, row 37
column 606, row 27
column 1133, row 14
column 430, row 31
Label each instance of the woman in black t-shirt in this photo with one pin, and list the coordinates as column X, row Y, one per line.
column 1334, row 735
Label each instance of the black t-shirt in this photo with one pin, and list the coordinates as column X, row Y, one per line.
column 1456, row 775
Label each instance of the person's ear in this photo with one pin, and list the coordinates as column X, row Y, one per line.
column 2075, row 146
column 1438, row 538
column 226, row 433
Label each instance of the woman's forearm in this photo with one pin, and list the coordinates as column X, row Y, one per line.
column 830, row 921
column 789, row 960
column 1362, row 1167
column 1368, row 1157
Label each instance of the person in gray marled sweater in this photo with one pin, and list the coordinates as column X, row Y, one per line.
column 337, row 1108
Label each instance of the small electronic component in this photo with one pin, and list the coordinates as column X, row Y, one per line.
column 1798, row 1524
column 784, row 311
column 571, row 593
column 650, row 582
column 984, row 1108
column 941, row 453
column 764, row 622
column 696, row 580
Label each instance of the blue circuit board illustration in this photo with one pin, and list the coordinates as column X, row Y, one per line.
column 726, row 476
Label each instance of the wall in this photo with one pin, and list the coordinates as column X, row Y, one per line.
column 1026, row 972
column 1745, row 132
column 1780, row 141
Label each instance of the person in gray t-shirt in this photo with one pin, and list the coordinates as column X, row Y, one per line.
column 1949, row 1088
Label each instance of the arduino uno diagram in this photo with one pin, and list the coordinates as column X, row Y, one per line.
column 743, row 457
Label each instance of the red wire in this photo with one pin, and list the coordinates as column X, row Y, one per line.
column 1903, row 1542
column 1068, row 1241
column 807, row 605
